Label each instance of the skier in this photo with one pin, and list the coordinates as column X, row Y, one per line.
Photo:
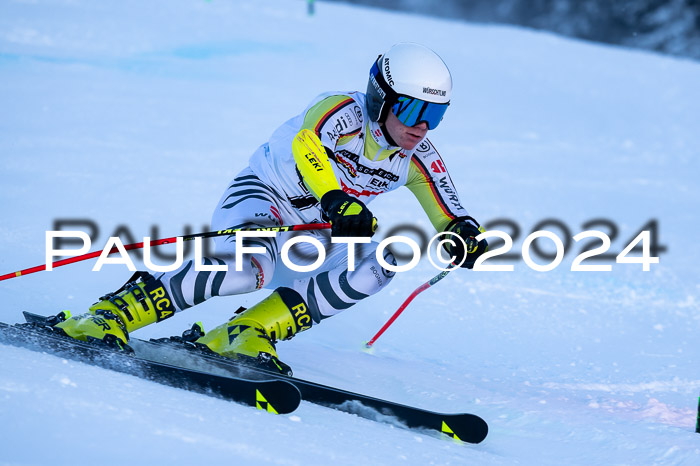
column 325, row 164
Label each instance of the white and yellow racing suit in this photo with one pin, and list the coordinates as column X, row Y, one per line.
column 272, row 192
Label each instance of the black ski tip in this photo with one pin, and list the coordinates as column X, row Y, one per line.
column 468, row 428
column 276, row 396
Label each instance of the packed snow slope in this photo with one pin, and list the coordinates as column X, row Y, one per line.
column 135, row 115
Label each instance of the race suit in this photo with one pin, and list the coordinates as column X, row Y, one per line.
column 271, row 192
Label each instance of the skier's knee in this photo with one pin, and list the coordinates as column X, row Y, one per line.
column 190, row 286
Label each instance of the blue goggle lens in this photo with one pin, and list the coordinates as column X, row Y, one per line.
column 411, row 111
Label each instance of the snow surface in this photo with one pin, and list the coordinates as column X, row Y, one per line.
column 139, row 113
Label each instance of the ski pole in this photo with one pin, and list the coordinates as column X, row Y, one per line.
column 158, row 242
column 405, row 304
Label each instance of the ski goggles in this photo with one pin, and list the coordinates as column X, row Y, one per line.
column 411, row 111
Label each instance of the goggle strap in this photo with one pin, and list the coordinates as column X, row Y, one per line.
column 391, row 96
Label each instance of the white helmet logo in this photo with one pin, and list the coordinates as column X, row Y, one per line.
column 387, row 71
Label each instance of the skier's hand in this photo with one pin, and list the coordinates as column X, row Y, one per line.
column 347, row 215
column 468, row 232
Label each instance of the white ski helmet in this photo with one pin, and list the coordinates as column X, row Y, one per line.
column 412, row 81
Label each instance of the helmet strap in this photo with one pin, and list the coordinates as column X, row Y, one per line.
column 387, row 136
column 384, row 112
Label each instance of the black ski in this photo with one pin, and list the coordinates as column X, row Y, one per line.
column 462, row 426
column 276, row 396
column 174, row 352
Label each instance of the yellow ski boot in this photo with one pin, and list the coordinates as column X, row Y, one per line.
column 251, row 335
column 109, row 321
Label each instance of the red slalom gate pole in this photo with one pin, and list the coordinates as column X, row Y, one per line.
column 158, row 242
column 405, row 304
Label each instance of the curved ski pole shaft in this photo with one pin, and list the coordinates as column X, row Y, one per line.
column 158, row 242
column 405, row 304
